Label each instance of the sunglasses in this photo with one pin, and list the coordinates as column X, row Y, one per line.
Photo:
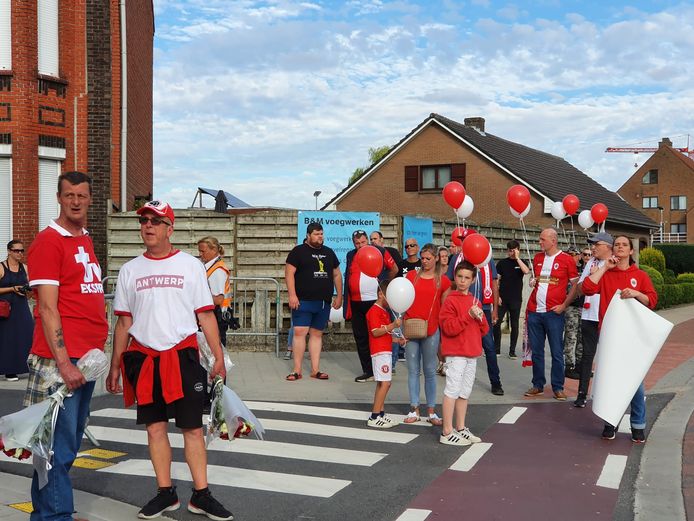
column 410, row 245
column 358, row 233
column 156, row 221
column 17, row 250
column 586, row 254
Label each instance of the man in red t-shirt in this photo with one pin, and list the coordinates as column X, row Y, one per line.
column 552, row 270
column 70, row 320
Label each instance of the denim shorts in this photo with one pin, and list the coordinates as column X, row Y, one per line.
column 311, row 313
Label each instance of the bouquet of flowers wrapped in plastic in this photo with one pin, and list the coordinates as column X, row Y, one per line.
column 229, row 417
column 30, row 431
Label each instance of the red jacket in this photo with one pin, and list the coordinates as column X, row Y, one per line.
column 615, row 279
column 461, row 335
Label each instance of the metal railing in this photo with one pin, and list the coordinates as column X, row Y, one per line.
column 660, row 238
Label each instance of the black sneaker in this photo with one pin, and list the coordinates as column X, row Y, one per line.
column 512, row 355
column 497, row 390
column 608, row 432
column 580, row 400
column 166, row 500
column 638, row 435
column 364, row 378
column 202, row 502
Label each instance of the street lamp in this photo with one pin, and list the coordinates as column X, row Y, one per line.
column 318, row 192
column 661, row 222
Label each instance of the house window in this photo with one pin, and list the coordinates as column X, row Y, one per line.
column 432, row 178
column 679, row 228
column 49, row 170
column 649, row 202
column 48, row 37
column 678, row 202
column 5, row 201
column 650, row 178
column 5, row 37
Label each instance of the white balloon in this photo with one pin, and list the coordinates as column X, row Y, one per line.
column 466, row 208
column 522, row 214
column 486, row 261
column 558, row 211
column 585, row 220
column 400, row 294
column 336, row 315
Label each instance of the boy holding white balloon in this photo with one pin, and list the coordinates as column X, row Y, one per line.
column 381, row 336
column 463, row 324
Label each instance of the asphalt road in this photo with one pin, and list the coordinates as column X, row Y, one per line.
column 548, row 459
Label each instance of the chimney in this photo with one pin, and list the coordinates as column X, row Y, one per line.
column 477, row 123
column 665, row 142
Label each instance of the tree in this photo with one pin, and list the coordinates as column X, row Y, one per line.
column 375, row 155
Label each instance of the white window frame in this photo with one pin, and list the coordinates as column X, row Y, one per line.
column 681, row 202
column 48, row 37
column 5, row 200
column 650, row 199
column 675, row 228
column 49, row 171
column 5, row 35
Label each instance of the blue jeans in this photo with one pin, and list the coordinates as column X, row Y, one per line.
column 638, row 408
column 54, row 501
column 422, row 352
column 395, row 348
column 551, row 326
column 490, row 351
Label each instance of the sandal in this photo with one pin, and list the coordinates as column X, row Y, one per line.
column 293, row 377
column 412, row 417
column 320, row 375
column 435, row 420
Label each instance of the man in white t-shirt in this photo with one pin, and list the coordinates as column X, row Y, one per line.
column 161, row 296
column 601, row 246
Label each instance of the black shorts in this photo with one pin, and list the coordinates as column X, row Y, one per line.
column 187, row 411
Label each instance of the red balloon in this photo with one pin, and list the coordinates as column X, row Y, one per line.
column 571, row 204
column 369, row 261
column 476, row 248
column 454, row 194
column 518, row 198
column 599, row 213
column 459, row 234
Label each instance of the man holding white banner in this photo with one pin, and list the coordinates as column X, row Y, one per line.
column 619, row 272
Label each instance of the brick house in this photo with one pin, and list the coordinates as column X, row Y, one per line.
column 663, row 189
column 63, row 65
column 409, row 179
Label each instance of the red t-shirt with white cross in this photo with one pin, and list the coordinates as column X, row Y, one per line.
column 552, row 275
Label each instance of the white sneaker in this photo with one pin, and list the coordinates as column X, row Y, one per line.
column 287, row 355
column 465, row 433
column 382, row 422
column 454, row 438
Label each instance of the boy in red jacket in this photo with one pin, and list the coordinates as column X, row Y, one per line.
column 463, row 325
column 378, row 321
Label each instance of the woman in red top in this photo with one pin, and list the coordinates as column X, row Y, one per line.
column 619, row 272
column 430, row 288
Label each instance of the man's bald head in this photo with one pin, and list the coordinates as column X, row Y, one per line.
column 549, row 240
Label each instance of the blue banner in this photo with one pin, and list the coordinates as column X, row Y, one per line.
column 338, row 228
column 417, row 228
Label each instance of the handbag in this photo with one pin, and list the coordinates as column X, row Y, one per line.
column 5, row 309
column 416, row 328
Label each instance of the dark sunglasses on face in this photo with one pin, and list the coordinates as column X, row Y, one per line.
column 358, row 233
column 156, row 221
column 17, row 250
column 410, row 245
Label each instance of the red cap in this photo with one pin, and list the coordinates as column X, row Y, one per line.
column 160, row 208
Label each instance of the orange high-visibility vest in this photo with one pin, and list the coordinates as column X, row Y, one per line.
column 219, row 263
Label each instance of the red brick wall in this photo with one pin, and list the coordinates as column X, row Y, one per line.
column 675, row 177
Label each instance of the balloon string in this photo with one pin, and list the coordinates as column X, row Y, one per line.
column 573, row 233
column 527, row 248
column 457, row 219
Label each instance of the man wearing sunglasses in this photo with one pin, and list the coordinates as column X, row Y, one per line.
column 70, row 321
column 411, row 262
column 360, row 294
column 161, row 296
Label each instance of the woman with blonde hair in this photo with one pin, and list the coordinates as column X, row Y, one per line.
column 430, row 289
column 211, row 253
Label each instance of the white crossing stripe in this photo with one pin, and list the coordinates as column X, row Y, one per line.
column 625, row 425
column 329, row 412
column 250, row 446
column 316, row 429
column 612, row 471
column 511, row 416
column 414, row 514
column 471, row 456
column 241, row 478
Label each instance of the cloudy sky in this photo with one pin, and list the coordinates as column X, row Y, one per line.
column 273, row 100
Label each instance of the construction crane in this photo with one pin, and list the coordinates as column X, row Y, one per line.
column 636, row 150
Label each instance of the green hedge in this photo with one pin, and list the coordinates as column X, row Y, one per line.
column 679, row 257
column 653, row 258
column 685, row 277
column 654, row 274
column 674, row 294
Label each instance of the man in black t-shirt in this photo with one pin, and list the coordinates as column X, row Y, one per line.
column 411, row 260
column 311, row 273
column 511, row 271
column 376, row 239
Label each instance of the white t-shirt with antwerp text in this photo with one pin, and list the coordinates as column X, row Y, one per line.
column 162, row 296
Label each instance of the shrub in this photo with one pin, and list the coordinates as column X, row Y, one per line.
column 653, row 258
column 678, row 257
column 669, row 276
column 654, row 274
column 685, row 278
